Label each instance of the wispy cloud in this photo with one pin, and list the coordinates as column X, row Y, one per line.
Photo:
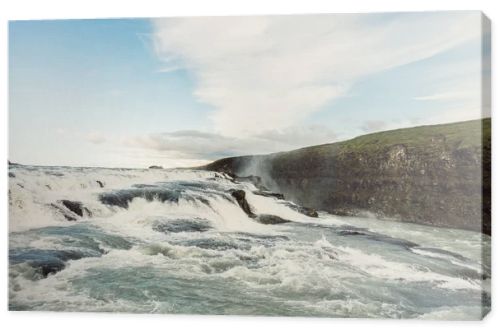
column 269, row 73
column 457, row 96
column 204, row 145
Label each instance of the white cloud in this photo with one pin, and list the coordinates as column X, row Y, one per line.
column 203, row 145
column 269, row 73
column 441, row 96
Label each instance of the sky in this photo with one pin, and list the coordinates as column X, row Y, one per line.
column 185, row 91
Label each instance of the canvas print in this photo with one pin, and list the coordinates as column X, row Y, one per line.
column 307, row 165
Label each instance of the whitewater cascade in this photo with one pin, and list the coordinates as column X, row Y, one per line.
column 176, row 241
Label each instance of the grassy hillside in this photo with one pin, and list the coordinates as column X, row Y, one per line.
column 456, row 136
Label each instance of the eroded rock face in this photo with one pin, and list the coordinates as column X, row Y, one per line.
column 437, row 186
column 435, row 175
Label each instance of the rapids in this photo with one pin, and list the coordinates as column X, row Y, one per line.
column 175, row 241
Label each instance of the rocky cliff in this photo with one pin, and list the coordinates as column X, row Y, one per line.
column 437, row 175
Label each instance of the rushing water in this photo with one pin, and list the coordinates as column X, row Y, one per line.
column 175, row 241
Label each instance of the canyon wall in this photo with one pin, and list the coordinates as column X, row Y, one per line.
column 435, row 175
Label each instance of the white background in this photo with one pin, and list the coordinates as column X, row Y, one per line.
column 43, row 322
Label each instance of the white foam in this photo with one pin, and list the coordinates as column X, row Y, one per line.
column 379, row 267
column 476, row 267
column 271, row 206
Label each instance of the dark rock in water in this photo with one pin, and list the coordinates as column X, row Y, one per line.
column 100, row 183
column 230, row 176
column 269, row 194
column 310, row 212
column 44, row 261
column 271, row 220
column 155, row 167
column 50, row 267
column 66, row 215
column 182, row 225
column 48, row 187
column 12, row 174
column 240, row 195
column 75, row 207
column 203, row 200
column 224, row 176
column 122, row 198
column 81, row 240
column 348, row 212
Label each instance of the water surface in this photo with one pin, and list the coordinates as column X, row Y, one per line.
column 175, row 241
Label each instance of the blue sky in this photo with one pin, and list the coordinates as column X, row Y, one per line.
column 181, row 92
